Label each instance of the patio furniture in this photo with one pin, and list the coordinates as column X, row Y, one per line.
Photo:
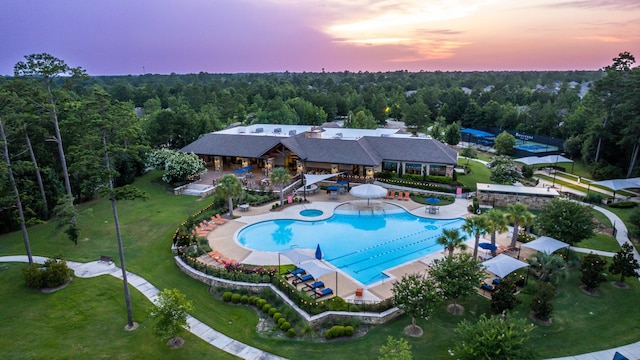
column 294, row 272
column 323, row 292
column 301, row 279
column 244, row 207
column 359, row 292
column 313, row 286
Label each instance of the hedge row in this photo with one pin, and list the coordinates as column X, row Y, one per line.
column 261, row 304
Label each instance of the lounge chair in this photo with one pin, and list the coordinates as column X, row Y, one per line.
column 216, row 221
column 301, row 279
column 313, row 286
column 400, row 195
column 323, row 292
column 215, row 255
column 294, row 272
column 392, row 195
column 407, row 196
column 389, row 195
column 487, row 287
column 207, row 226
column 223, row 260
column 220, row 218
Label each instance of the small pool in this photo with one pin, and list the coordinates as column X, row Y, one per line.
column 311, row 212
column 361, row 244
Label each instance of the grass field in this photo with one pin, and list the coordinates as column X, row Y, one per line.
column 86, row 319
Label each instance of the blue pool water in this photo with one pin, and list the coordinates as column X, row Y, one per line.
column 311, row 212
column 361, row 245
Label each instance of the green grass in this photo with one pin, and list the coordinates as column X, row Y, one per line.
column 479, row 174
column 600, row 242
column 87, row 318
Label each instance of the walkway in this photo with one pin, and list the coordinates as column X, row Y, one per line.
column 196, row 327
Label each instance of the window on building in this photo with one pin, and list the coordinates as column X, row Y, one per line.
column 413, row 169
column 437, row 170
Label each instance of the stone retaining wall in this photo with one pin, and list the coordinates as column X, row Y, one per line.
column 364, row 317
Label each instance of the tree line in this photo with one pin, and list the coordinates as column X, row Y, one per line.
column 54, row 116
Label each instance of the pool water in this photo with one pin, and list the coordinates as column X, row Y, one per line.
column 361, row 245
column 311, row 212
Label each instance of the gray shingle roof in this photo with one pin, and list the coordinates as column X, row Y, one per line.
column 367, row 151
column 232, row 145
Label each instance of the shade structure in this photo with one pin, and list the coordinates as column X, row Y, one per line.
column 432, row 200
column 240, row 171
column 318, row 252
column 312, row 179
column 487, row 246
column 552, row 159
column 503, row 265
column 297, row 256
column 316, row 268
column 529, row 160
column 368, row 191
column 619, row 184
column 545, row 244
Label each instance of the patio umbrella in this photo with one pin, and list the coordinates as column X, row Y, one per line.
column 240, row 171
column 488, row 246
column 368, row 191
column 318, row 253
column 432, row 200
column 503, row 265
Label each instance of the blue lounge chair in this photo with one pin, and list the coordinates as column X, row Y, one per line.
column 294, row 272
column 487, row 287
column 323, row 292
column 302, row 278
column 313, row 286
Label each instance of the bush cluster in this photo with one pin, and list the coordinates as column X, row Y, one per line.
column 623, row 205
column 235, row 272
column 279, row 318
column 337, row 331
column 52, row 273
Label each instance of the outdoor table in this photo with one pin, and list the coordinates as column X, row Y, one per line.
column 244, row 207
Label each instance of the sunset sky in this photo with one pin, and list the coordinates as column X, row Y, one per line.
column 112, row 37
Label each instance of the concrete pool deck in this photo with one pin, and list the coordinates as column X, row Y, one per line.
column 222, row 239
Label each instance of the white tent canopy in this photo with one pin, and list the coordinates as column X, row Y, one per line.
column 312, row 179
column 503, row 265
column 549, row 159
column 316, row 268
column 546, row 244
column 368, row 191
column 619, row 184
column 297, row 256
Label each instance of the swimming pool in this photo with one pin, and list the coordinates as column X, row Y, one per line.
column 362, row 245
column 311, row 212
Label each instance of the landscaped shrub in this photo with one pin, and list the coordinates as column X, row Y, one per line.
column 266, row 308
column 291, row 332
column 285, row 326
column 337, row 331
column 52, row 273
column 593, row 198
column 623, row 205
column 235, row 298
column 252, row 299
column 244, row 299
column 349, row 330
column 277, row 316
column 281, row 321
column 272, row 311
column 328, row 334
column 227, row 296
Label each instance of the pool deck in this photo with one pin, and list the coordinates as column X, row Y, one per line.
column 222, row 239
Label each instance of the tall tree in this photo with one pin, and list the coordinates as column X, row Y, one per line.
column 229, row 187
column 170, row 312
column 476, row 226
column 281, row 177
column 46, row 68
column 23, row 225
column 566, row 221
column 624, row 262
column 519, row 216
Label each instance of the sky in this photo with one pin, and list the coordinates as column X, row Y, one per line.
column 133, row 37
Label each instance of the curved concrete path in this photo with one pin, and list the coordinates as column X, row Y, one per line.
column 196, row 327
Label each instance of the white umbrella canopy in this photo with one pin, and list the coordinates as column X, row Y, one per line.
column 529, row 160
column 315, row 268
column 619, row 184
column 503, row 265
column 551, row 159
column 297, row 256
column 545, row 244
column 368, row 191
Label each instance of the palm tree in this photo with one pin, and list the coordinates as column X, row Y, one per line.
column 497, row 223
column 546, row 264
column 476, row 226
column 451, row 239
column 519, row 215
column 281, row 177
column 229, row 187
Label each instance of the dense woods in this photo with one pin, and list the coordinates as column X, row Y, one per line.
column 55, row 116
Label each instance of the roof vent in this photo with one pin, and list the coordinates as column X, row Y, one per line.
column 277, row 130
column 259, row 130
column 385, row 135
column 337, row 136
column 292, row 132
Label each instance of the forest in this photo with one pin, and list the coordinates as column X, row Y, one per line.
column 60, row 124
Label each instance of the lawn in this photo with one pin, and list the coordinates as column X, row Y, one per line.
column 66, row 323
column 479, row 174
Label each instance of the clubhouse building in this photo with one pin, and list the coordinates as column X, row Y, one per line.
column 357, row 153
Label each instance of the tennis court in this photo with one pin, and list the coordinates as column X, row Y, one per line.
column 534, row 147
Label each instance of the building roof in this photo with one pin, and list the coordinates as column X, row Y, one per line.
column 252, row 146
column 365, row 151
column 521, row 190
